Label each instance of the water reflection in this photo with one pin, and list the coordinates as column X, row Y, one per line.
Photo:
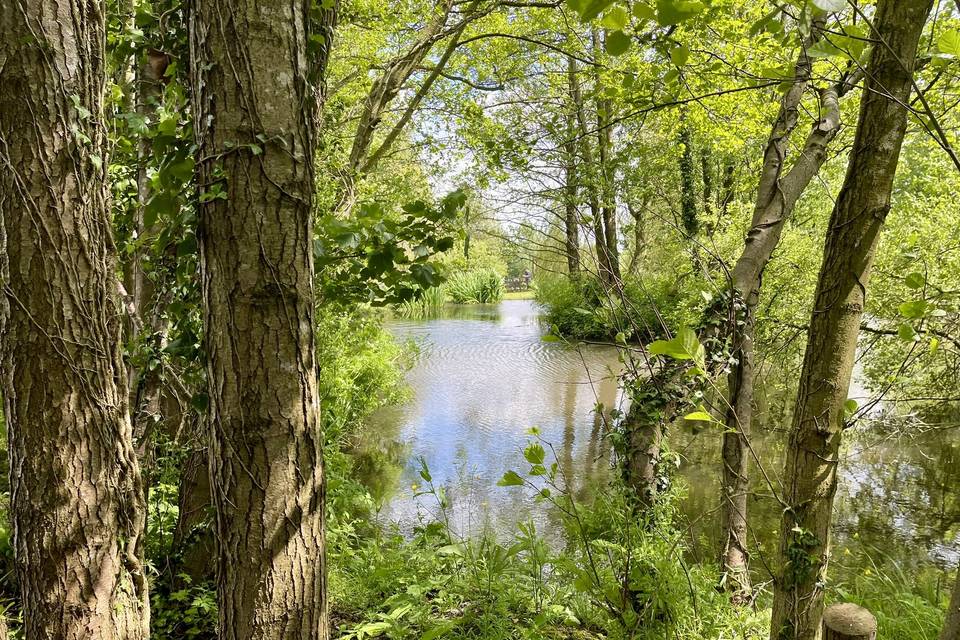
column 483, row 379
column 485, row 376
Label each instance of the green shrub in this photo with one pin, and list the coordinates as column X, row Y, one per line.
column 480, row 286
column 586, row 310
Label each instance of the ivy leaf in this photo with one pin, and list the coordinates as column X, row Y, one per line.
column 906, row 333
column 824, row 49
column 616, row 43
column 643, row 12
column 685, row 346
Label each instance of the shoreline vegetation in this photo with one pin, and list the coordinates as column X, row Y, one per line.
column 209, row 212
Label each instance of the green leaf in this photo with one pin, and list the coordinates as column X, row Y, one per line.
column 702, row 416
column 685, row 346
column 915, row 280
column 824, row 49
column 670, row 12
column 914, row 309
column 589, row 9
column 615, row 19
column 906, row 333
column 850, row 406
column 643, row 12
column 616, row 43
column 510, row 479
column 679, row 55
column 949, row 43
column 534, row 453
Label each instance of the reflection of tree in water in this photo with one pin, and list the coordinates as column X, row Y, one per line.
column 901, row 497
column 898, row 499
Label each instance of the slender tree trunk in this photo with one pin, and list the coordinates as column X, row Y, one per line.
column 589, row 172
column 608, row 203
column 951, row 625
column 706, row 171
column 570, row 201
column 729, row 182
column 811, row 463
column 76, row 494
column 777, row 196
column 254, row 112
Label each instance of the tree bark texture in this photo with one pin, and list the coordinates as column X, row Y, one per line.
column 76, row 502
column 810, row 476
column 777, row 196
column 254, row 109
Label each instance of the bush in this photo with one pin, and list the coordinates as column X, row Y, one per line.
column 480, row 286
column 585, row 310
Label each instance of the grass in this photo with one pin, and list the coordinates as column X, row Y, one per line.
column 529, row 294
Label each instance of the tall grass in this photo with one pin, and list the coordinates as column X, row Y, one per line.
column 483, row 286
column 426, row 305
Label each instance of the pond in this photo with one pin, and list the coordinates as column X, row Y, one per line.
column 484, row 377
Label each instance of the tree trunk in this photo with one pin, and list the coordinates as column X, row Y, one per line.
column 951, row 625
column 706, row 171
column 735, row 480
column 777, row 196
column 644, row 439
column 864, row 200
column 76, row 499
column 608, row 202
column 688, row 195
column 589, row 171
column 570, row 202
column 254, row 112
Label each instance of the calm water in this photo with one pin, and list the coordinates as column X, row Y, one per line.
column 484, row 377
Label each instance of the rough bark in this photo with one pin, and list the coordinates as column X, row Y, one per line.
column 644, row 440
column 571, row 188
column 254, row 111
column 76, row 500
column 777, row 197
column 951, row 623
column 810, row 475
